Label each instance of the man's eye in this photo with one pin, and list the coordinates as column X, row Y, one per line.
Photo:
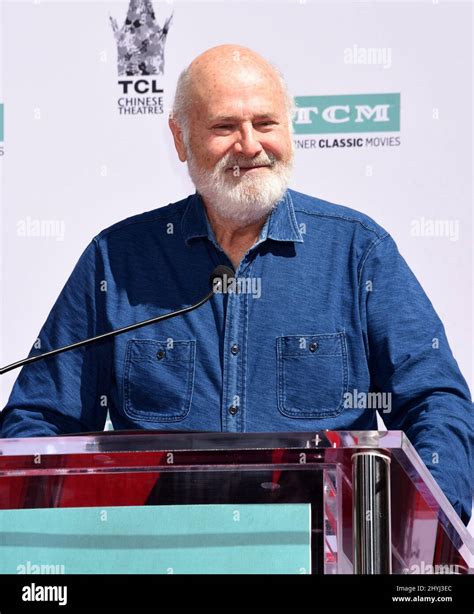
column 223, row 127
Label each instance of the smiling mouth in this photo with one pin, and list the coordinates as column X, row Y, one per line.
column 249, row 168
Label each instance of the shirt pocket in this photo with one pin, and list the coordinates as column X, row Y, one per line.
column 158, row 379
column 312, row 375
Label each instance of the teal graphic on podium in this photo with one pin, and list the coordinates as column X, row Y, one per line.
column 170, row 539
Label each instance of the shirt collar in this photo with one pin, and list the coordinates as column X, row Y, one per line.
column 281, row 224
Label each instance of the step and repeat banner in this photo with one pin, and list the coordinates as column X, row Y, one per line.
column 383, row 125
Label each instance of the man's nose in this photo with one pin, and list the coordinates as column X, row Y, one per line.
column 248, row 143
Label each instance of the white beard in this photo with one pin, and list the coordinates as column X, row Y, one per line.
column 247, row 198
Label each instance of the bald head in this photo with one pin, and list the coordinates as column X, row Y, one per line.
column 230, row 64
column 220, row 69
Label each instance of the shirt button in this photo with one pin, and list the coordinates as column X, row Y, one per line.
column 160, row 354
column 234, row 349
column 233, row 410
column 313, row 346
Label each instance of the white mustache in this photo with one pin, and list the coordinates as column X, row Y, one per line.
column 246, row 167
column 231, row 164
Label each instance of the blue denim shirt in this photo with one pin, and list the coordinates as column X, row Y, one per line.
column 323, row 312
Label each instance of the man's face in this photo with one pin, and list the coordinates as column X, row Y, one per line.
column 239, row 147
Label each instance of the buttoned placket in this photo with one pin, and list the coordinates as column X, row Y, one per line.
column 234, row 377
column 233, row 394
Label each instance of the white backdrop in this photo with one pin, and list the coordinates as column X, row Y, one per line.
column 73, row 165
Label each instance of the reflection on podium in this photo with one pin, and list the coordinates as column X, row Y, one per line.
column 353, row 502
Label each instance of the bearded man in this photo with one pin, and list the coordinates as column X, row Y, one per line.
column 338, row 316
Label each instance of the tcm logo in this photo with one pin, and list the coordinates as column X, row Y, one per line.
column 351, row 113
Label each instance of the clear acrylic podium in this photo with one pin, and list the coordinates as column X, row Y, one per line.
column 374, row 507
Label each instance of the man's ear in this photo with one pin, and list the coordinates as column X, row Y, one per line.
column 178, row 139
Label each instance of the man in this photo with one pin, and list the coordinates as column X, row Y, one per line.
column 329, row 307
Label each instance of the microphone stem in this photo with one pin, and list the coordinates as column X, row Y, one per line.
column 112, row 333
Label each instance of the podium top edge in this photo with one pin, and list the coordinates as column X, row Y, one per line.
column 155, row 441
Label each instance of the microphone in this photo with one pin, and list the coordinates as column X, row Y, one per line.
column 216, row 279
column 219, row 275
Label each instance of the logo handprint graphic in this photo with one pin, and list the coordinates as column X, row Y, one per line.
column 141, row 40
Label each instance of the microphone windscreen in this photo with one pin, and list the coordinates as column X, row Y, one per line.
column 221, row 272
